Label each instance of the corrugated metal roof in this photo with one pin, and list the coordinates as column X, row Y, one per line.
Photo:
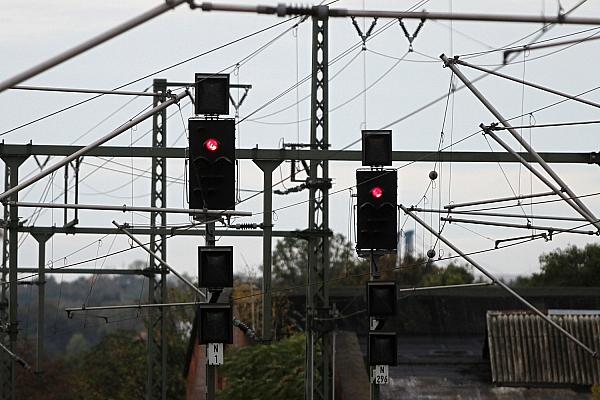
column 525, row 350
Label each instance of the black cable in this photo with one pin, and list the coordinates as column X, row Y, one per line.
column 400, row 167
column 584, row 40
column 173, row 229
column 150, row 75
column 423, row 157
column 307, row 96
column 414, row 265
column 524, row 47
column 331, row 62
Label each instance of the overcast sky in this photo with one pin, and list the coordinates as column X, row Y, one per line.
column 32, row 31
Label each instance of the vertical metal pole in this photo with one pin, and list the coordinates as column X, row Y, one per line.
column 157, row 285
column 10, row 327
column 374, row 392
column 5, row 361
column 211, row 370
column 318, row 376
column 267, row 167
column 41, row 239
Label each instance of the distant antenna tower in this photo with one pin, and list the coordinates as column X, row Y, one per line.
column 409, row 243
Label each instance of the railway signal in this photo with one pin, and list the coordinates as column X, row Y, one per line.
column 377, row 211
column 212, row 164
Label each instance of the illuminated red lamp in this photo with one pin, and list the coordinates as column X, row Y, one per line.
column 377, row 192
column 211, row 145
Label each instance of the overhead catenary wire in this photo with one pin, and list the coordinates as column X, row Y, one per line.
column 548, row 45
column 575, row 43
column 418, row 110
column 415, row 111
column 576, row 204
column 549, row 125
column 95, row 144
column 343, row 103
column 171, row 66
column 502, row 215
column 356, row 45
column 406, row 267
column 432, row 153
column 526, row 83
column 245, row 59
column 89, row 44
column 282, row 290
column 475, row 132
column 534, row 203
column 451, row 219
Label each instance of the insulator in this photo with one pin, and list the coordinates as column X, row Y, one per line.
column 246, row 226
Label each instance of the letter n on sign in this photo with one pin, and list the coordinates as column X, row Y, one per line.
column 214, row 353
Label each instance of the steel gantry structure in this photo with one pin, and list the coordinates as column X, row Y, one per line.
column 14, row 155
column 318, row 374
column 156, row 386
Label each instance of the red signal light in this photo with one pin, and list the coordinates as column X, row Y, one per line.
column 211, row 145
column 377, row 192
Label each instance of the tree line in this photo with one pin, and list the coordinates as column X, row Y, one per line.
column 103, row 354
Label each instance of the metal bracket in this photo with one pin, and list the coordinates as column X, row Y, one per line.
column 364, row 36
column 320, row 320
column 410, row 37
column 41, row 165
column 308, row 233
column 75, row 166
column 305, row 167
column 237, row 104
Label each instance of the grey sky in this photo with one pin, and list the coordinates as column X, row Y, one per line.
column 33, row 31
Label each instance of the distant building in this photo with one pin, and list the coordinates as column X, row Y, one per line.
column 409, row 243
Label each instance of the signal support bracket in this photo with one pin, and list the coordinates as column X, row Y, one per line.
column 267, row 167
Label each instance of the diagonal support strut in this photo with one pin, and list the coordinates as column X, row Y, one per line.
column 498, row 282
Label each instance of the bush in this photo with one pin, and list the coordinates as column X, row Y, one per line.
column 260, row 372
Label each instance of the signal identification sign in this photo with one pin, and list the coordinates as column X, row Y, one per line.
column 381, row 375
column 214, row 353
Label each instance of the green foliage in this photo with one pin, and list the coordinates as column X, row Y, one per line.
column 290, row 262
column 54, row 383
column 261, row 372
column 450, row 275
column 77, row 345
column 595, row 392
column 571, row 266
column 107, row 360
column 423, row 272
column 114, row 369
column 106, row 290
